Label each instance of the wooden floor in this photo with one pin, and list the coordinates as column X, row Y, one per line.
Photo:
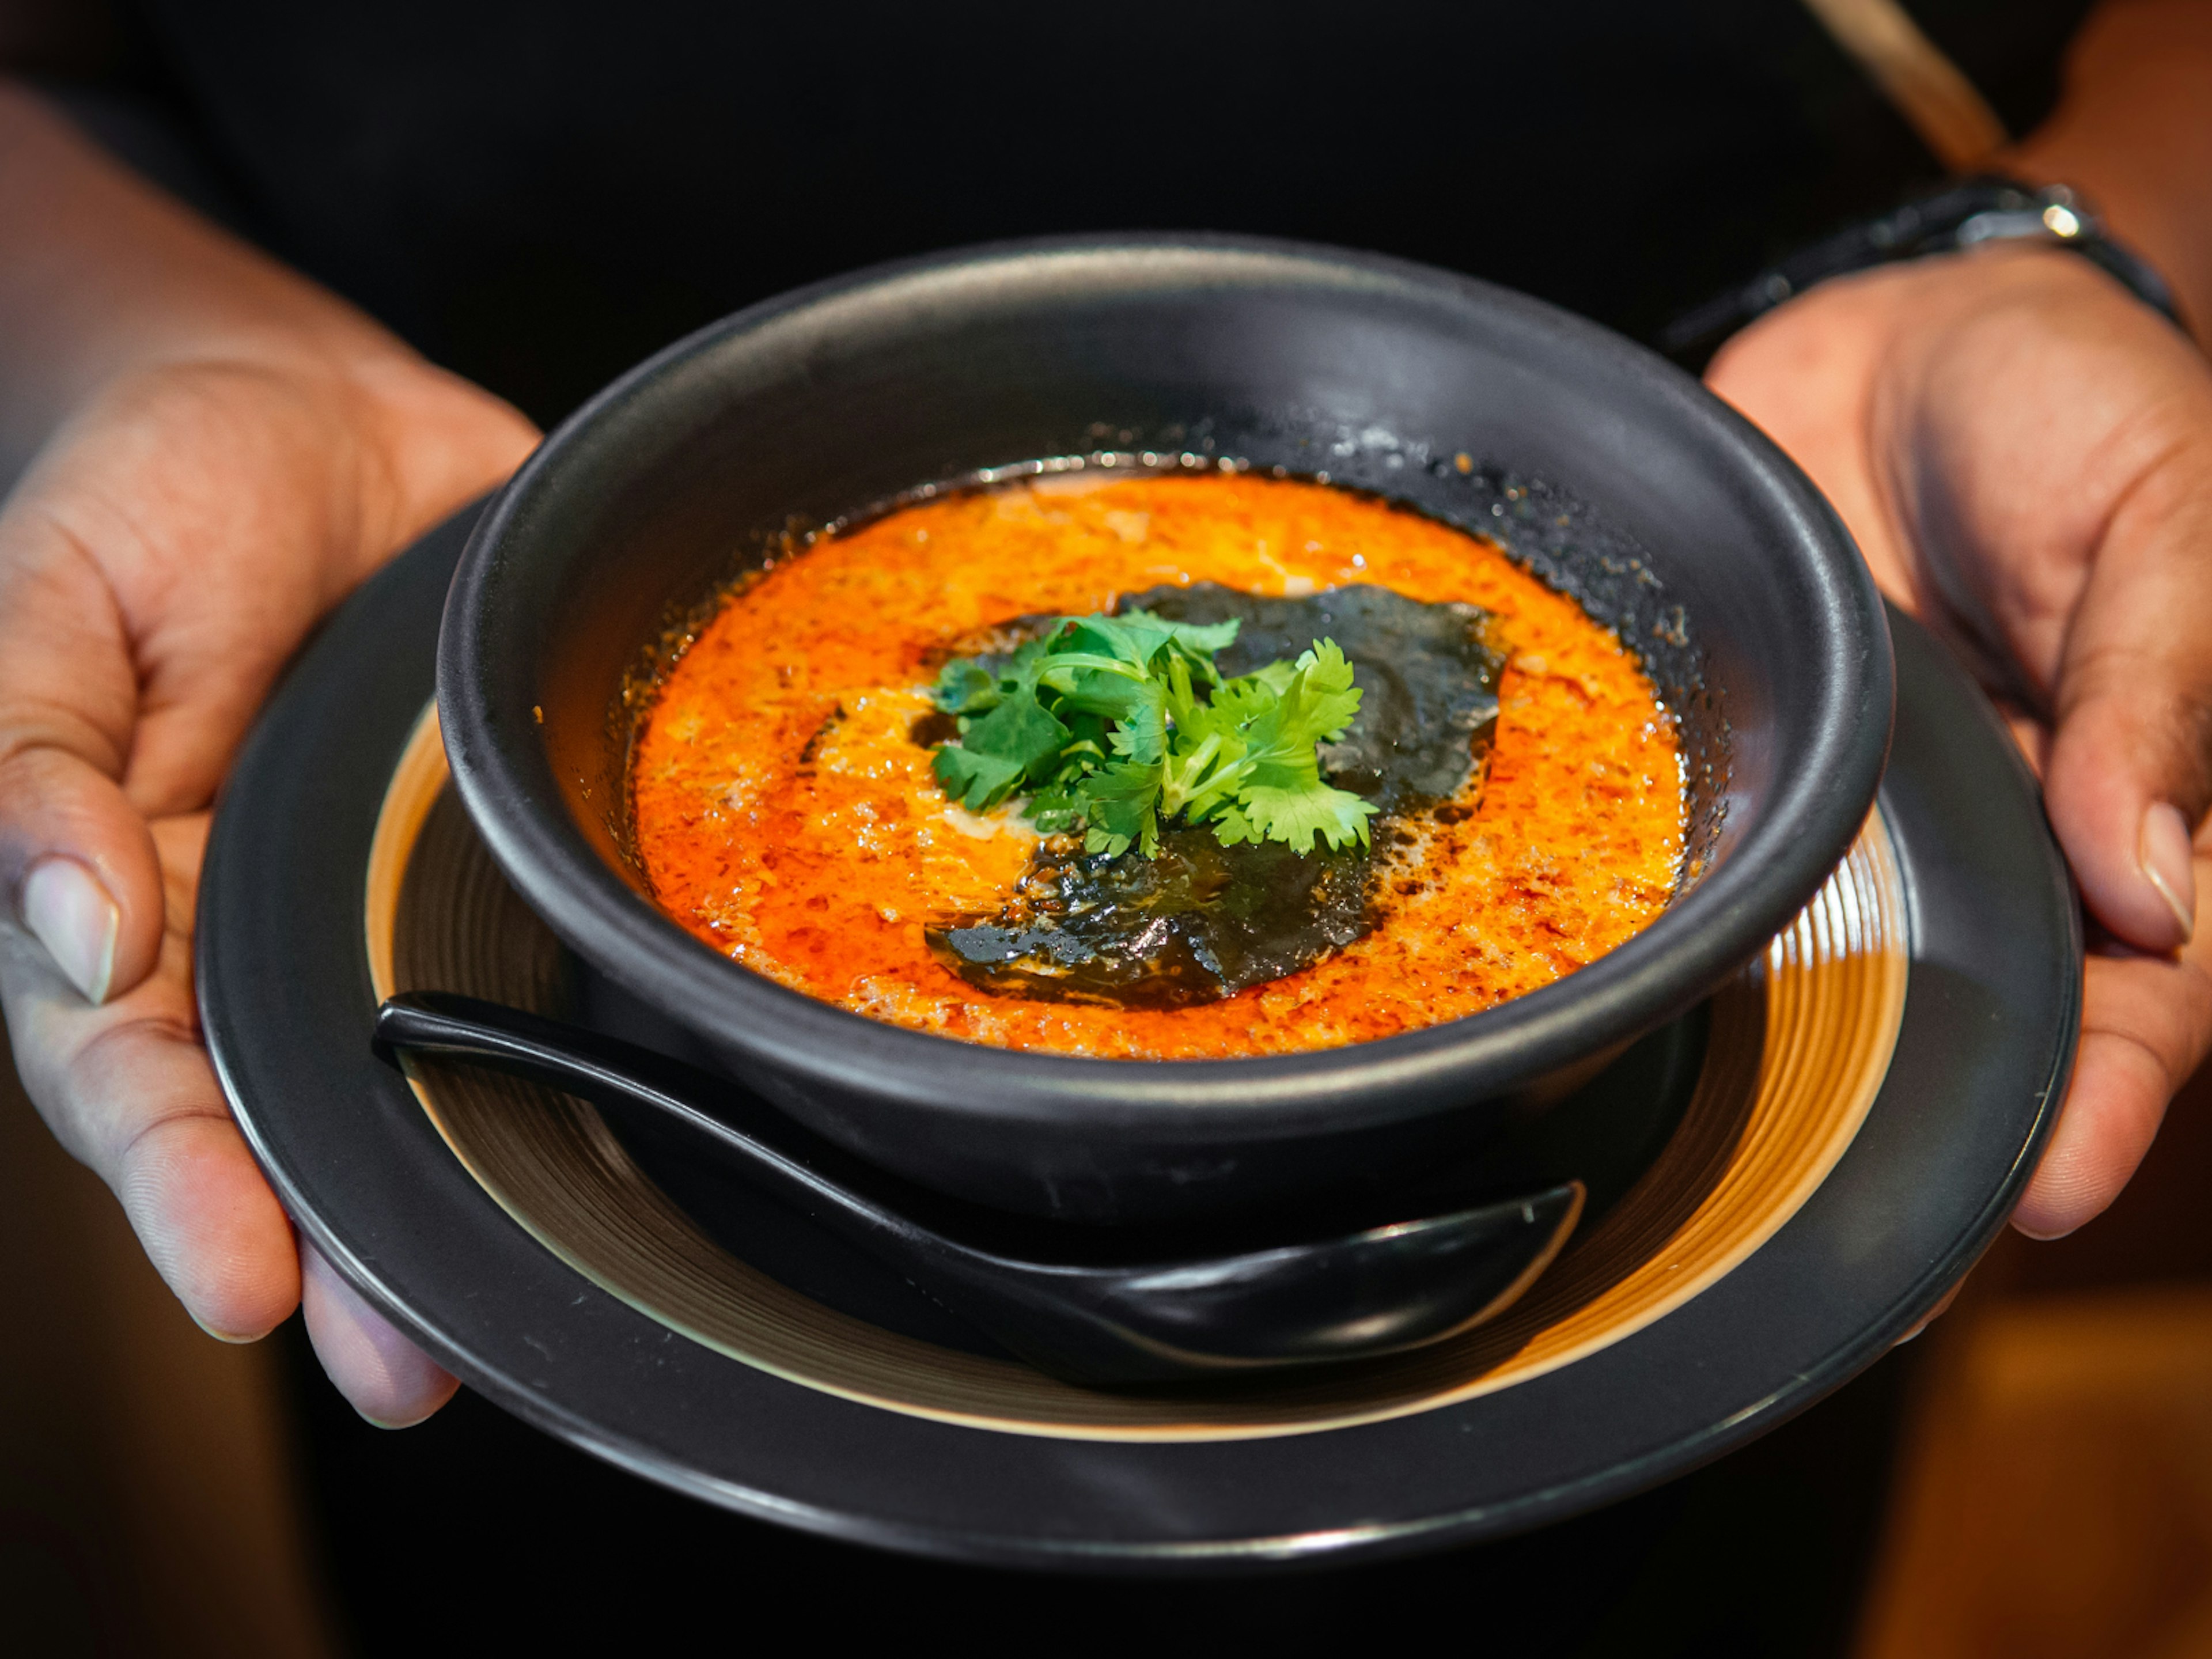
column 2054, row 1500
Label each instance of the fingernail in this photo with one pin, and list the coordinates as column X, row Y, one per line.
column 223, row 1336
column 72, row 915
column 2163, row 853
column 394, row 1424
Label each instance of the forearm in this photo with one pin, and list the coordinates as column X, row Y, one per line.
column 101, row 273
column 2133, row 131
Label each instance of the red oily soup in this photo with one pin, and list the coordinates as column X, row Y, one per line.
column 786, row 810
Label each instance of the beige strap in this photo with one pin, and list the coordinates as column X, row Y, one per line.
column 1926, row 88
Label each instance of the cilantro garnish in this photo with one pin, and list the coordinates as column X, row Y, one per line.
column 1122, row 723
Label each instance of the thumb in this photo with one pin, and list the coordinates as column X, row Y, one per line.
column 78, row 863
column 78, row 870
column 2129, row 769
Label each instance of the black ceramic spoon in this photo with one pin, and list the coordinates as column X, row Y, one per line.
column 1183, row 1317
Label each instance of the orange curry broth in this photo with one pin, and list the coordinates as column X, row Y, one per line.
column 784, row 814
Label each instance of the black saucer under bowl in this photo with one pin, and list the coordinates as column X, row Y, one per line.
column 1990, row 1005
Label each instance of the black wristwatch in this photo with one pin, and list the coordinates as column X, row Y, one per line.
column 1964, row 214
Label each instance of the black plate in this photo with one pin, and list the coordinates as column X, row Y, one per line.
column 1991, row 1011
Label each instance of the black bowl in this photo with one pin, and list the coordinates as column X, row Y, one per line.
column 1612, row 472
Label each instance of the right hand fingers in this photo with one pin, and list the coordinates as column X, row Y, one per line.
column 2128, row 774
column 2146, row 1026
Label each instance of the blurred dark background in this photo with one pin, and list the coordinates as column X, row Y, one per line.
column 539, row 193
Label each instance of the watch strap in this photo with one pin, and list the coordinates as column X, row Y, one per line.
column 1965, row 213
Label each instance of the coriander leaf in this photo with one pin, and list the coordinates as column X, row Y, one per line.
column 1278, row 766
column 1054, row 808
column 977, row 781
column 1278, row 733
column 1109, row 693
column 1138, row 637
column 1118, row 723
column 1018, row 730
column 1315, row 707
column 1195, row 643
column 1242, row 701
column 965, row 688
column 1118, row 803
column 1202, row 777
column 1296, row 816
column 1232, row 826
column 1060, row 670
column 1021, row 669
column 1321, row 693
column 1181, row 699
column 1141, row 732
column 1205, row 639
column 1091, row 736
column 1114, row 639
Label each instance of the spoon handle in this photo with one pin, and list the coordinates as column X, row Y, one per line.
column 607, row 1070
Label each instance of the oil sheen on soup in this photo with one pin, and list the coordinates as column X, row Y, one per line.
column 1524, row 781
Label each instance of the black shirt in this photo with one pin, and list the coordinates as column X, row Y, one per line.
column 537, row 193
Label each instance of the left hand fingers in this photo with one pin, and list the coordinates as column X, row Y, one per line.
column 388, row 1380
column 127, row 1087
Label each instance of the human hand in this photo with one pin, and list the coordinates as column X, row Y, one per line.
column 2024, row 452
column 204, row 501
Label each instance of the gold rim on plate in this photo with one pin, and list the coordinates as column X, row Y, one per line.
column 1799, row 1044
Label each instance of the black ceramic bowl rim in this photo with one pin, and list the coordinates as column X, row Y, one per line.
column 1819, row 802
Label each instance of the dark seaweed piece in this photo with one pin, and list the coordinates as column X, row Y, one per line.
column 1202, row 922
column 1199, row 923
column 1427, row 676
